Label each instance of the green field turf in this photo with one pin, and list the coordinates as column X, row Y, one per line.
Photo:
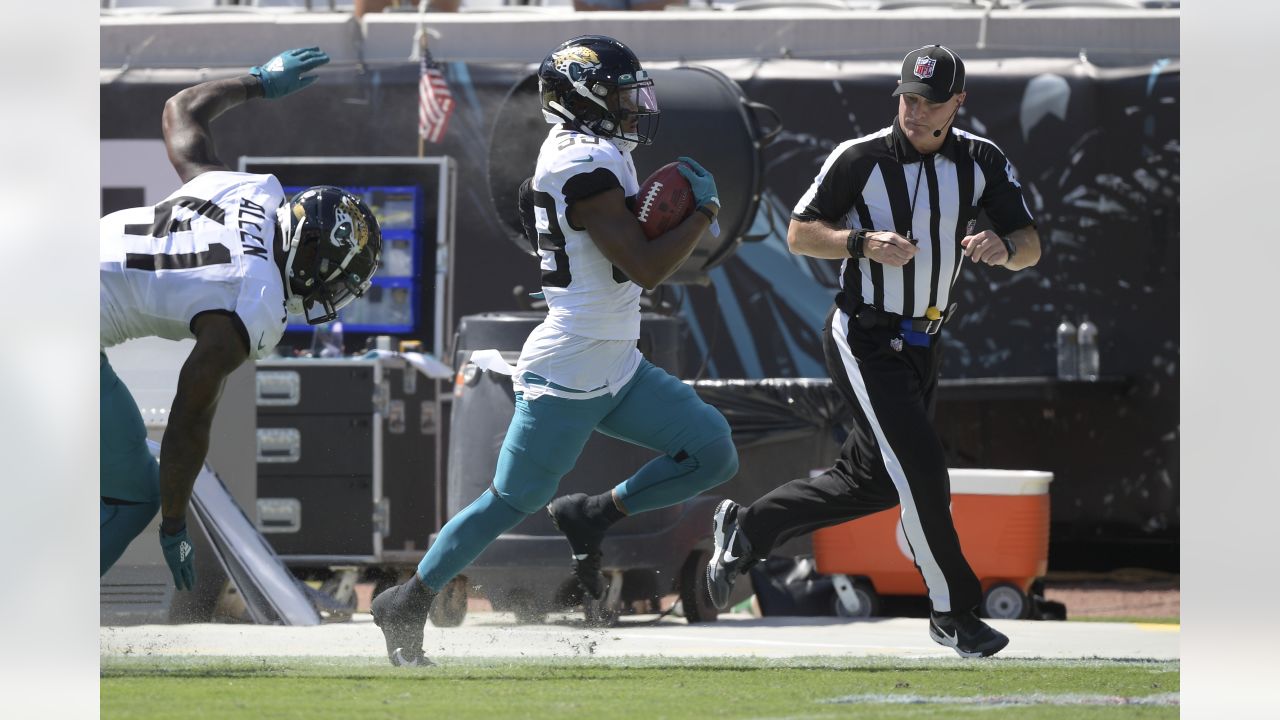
column 360, row 689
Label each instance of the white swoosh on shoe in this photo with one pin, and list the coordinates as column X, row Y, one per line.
column 728, row 555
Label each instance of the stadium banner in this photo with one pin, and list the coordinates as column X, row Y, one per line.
column 1095, row 148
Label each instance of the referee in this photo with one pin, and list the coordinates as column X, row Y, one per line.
column 898, row 206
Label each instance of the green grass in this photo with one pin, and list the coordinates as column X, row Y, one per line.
column 228, row 689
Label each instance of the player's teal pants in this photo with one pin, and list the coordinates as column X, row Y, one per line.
column 546, row 435
column 129, row 476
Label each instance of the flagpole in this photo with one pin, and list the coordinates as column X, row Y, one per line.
column 422, row 48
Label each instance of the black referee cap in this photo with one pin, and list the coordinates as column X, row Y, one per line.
column 933, row 71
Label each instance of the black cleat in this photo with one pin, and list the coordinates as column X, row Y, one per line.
column 401, row 612
column 732, row 554
column 568, row 514
column 966, row 634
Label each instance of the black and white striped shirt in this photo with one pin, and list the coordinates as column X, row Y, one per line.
column 880, row 182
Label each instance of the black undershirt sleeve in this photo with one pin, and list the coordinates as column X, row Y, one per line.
column 527, row 220
column 588, row 184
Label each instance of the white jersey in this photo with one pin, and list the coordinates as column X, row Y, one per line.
column 208, row 246
column 586, row 295
column 588, row 341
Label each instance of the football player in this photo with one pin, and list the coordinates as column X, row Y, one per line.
column 580, row 371
column 221, row 260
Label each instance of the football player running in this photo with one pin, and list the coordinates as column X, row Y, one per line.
column 220, row 260
column 580, row 371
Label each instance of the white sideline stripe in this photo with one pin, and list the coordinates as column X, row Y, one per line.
column 784, row 643
column 1161, row 699
column 939, row 593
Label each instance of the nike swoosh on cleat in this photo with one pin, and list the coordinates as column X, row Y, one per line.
column 728, row 555
column 583, row 159
column 583, row 556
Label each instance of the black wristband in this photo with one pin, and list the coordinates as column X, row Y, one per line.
column 1009, row 247
column 856, row 243
column 252, row 87
column 711, row 217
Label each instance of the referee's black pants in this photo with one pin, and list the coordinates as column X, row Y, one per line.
column 892, row 457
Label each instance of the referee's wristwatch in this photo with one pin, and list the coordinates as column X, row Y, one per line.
column 1009, row 247
column 856, row 243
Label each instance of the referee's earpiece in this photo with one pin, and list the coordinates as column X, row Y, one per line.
column 938, row 132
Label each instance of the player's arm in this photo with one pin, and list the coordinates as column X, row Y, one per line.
column 617, row 233
column 221, row 347
column 821, row 239
column 187, row 115
column 186, row 119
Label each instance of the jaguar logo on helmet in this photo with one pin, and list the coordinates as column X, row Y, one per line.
column 572, row 61
column 349, row 226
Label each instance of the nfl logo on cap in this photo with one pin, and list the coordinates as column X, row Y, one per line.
column 924, row 67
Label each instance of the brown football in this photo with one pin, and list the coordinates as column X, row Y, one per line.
column 664, row 201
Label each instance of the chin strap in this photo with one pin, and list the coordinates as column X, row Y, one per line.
column 290, row 236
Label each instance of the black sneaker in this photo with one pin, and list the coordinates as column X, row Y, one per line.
column 568, row 514
column 732, row 554
column 968, row 635
column 401, row 612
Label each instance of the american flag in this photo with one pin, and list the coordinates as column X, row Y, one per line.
column 435, row 101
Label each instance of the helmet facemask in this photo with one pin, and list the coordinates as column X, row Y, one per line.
column 630, row 112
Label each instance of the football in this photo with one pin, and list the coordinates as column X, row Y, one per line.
column 664, row 201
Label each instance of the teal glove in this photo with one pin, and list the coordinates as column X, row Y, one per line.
column 180, row 554
column 703, row 184
column 282, row 74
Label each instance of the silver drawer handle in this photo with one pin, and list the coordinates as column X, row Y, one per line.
column 279, row 387
column 279, row 445
column 279, row 515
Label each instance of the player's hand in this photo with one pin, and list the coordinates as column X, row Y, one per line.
column 889, row 248
column 701, row 181
column 986, row 247
column 180, row 554
column 282, row 74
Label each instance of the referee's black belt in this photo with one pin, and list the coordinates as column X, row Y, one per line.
column 869, row 316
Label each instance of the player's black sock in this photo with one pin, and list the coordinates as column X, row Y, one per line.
column 601, row 510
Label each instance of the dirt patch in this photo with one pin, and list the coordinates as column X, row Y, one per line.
column 1121, row 594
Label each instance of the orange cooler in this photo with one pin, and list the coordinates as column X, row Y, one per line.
column 1001, row 516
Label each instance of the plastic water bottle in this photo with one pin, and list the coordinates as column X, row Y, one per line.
column 1087, row 347
column 327, row 342
column 1068, row 357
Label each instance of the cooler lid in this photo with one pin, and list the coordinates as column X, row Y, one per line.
column 999, row 482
